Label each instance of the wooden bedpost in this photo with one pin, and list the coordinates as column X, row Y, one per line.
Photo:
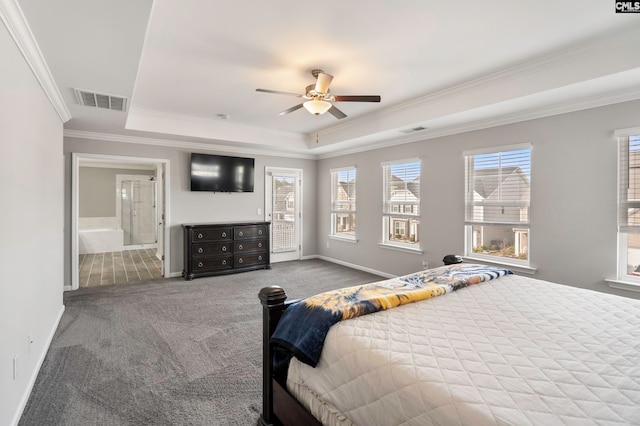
column 272, row 299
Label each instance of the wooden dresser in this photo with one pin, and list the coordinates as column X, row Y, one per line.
column 225, row 248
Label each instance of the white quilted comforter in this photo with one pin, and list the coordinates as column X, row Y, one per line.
column 514, row 351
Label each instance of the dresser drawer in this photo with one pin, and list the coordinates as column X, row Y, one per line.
column 212, row 263
column 249, row 259
column 251, row 245
column 211, row 234
column 208, row 249
column 249, row 231
column 225, row 248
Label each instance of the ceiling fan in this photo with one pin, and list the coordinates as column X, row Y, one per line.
column 319, row 99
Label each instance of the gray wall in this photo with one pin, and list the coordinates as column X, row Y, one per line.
column 573, row 200
column 97, row 190
column 197, row 207
column 31, row 225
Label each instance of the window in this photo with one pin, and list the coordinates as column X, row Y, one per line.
column 629, row 208
column 497, row 203
column 343, row 203
column 401, row 210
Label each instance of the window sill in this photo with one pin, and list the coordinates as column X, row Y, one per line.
column 353, row 240
column 623, row 285
column 400, row 248
column 515, row 267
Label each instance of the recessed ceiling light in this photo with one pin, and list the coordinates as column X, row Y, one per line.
column 223, row 116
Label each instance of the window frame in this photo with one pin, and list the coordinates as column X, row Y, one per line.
column 624, row 138
column 471, row 223
column 389, row 216
column 335, row 204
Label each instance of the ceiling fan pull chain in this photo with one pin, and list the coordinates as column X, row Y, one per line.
column 317, row 128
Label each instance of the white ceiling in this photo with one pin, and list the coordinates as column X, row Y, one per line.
column 448, row 67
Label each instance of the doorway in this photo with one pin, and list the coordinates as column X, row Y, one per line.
column 136, row 225
column 283, row 208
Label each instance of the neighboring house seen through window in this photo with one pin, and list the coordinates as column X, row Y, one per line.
column 629, row 208
column 497, row 203
column 343, row 203
column 401, row 210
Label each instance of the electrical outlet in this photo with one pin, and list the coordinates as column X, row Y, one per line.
column 259, row 211
column 327, row 244
column 425, row 264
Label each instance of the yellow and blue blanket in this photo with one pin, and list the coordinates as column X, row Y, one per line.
column 304, row 325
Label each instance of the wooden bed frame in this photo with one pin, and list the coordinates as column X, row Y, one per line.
column 279, row 407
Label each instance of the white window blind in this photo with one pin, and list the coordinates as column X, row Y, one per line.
column 497, row 203
column 498, row 188
column 401, row 202
column 629, row 185
column 629, row 207
column 343, row 202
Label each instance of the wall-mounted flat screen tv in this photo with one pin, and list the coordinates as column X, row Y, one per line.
column 220, row 173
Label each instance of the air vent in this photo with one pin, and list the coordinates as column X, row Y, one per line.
column 413, row 130
column 101, row 100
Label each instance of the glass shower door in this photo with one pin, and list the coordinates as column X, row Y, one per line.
column 139, row 214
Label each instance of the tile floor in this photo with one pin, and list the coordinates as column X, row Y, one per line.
column 120, row 267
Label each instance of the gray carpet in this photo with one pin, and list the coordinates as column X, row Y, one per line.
column 167, row 352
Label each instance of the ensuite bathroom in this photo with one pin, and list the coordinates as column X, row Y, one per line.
column 117, row 209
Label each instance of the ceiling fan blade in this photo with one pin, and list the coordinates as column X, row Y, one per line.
column 357, row 98
column 323, row 82
column 278, row 92
column 293, row 108
column 336, row 112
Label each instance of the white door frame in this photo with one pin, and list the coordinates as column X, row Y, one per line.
column 268, row 192
column 76, row 159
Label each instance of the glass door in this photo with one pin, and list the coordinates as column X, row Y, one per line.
column 139, row 215
column 283, row 201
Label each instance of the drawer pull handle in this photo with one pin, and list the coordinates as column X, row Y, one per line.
column 200, row 235
column 200, row 250
column 259, row 257
column 240, row 246
column 259, row 231
column 224, row 262
column 240, row 233
column 200, row 264
column 224, row 235
column 240, row 260
column 259, row 244
column 224, row 248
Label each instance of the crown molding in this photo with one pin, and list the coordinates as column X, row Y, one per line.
column 589, row 102
column 215, row 129
column 340, row 150
column 19, row 29
column 609, row 48
column 202, row 146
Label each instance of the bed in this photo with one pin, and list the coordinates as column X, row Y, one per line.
column 511, row 350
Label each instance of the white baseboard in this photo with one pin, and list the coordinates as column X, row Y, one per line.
column 358, row 267
column 34, row 375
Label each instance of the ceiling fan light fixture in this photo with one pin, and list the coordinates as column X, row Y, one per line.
column 317, row 107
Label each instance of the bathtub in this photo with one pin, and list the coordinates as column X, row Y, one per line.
column 100, row 240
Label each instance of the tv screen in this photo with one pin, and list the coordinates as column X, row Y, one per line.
column 220, row 173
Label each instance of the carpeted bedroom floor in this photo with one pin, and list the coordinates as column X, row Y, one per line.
column 167, row 352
